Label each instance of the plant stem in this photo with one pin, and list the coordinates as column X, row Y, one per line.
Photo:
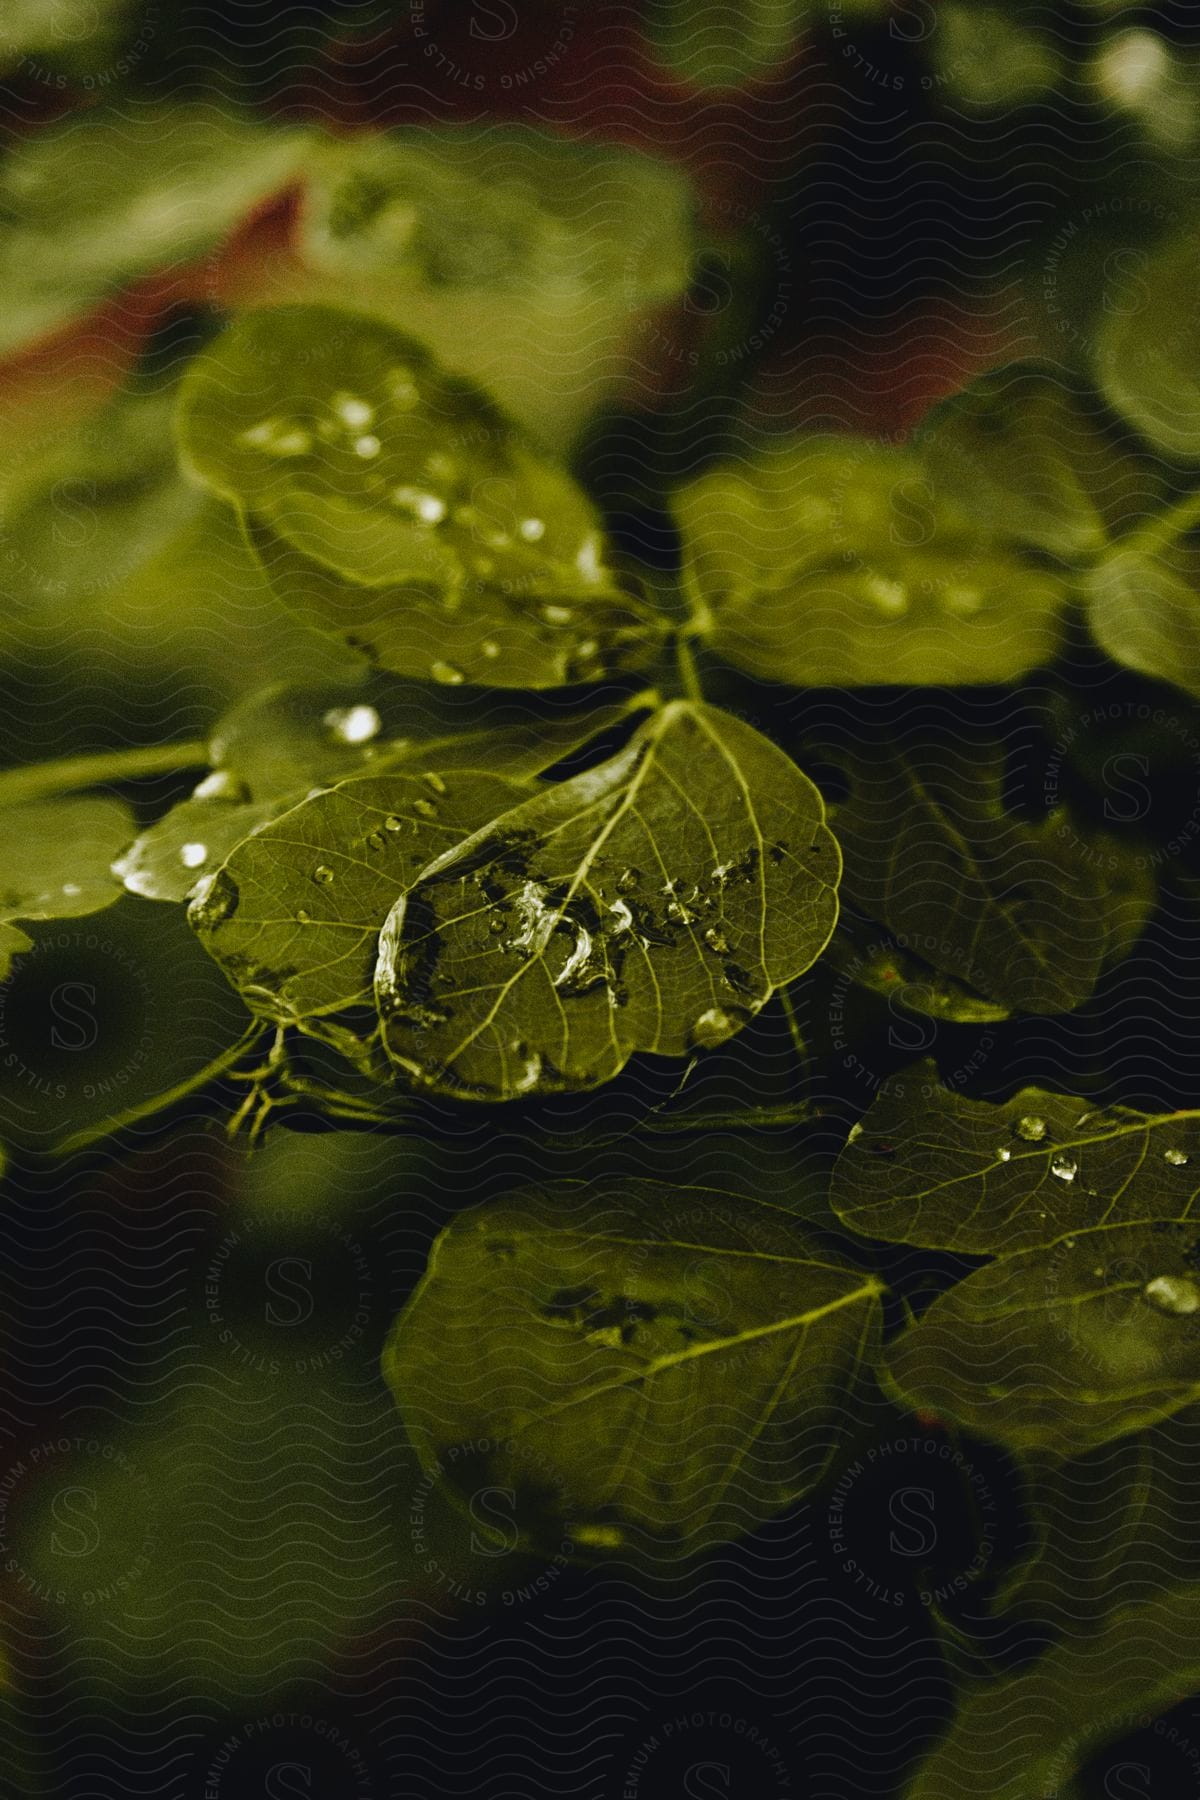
column 68, row 774
column 685, row 662
column 1164, row 528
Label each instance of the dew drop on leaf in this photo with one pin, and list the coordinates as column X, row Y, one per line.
column 532, row 530
column 434, row 782
column 1173, row 1294
column 712, row 1028
column 1176, row 1158
column 1031, row 1128
column 323, row 874
column 302, row 917
column 392, row 823
column 353, row 724
column 221, row 785
column 447, row 674
column 193, row 855
column 1004, row 1155
column 1064, row 1167
column 426, row 808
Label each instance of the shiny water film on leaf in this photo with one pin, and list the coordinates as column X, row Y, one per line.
column 650, row 1364
column 929, row 1166
column 837, row 563
column 394, row 506
column 652, row 903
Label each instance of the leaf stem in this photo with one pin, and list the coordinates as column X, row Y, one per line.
column 1157, row 533
column 68, row 774
column 191, row 1084
column 685, row 662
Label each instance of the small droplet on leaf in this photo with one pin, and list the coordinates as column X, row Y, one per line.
column 322, row 874
column 193, row 855
column 1173, row 1294
column 353, row 724
column 1064, row 1167
column 1031, row 1128
column 1176, row 1158
column 447, row 674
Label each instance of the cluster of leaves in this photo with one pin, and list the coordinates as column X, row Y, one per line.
column 485, row 902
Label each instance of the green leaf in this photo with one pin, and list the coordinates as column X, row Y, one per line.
column 650, row 904
column 56, row 856
column 401, row 510
column 534, row 263
column 928, row 1166
column 990, row 60
column 294, row 914
column 836, row 563
column 1027, row 1737
column 1066, row 1345
column 1148, row 351
column 660, row 1361
column 1016, row 452
column 903, row 978
column 1144, row 612
column 99, row 198
column 1024, row 916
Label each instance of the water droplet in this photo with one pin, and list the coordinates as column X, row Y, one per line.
column 367, row 446
column 891, row 597
column 354, row 413
column 716, row 941
column 303, row 917
column 376, row 840
column 447, row 674
column 392, row 823
column 71, row 888
column 1176, row 1158
column 1031, row 1128
column 216, row 897
column 621, row 916
column 424, row 506
column 1068, row 1243
column 426, row 808
column 322, row 874
column 557, row 615
column 278, row 437
column 530, row 1072
column 440, row 467
column 1064, row 1167
column 712, row 1028
column 353, row 724
column 1173, row 1294
column 221, row 785
column 193, row 855
column 627, row 880
column 532, row 530
column 489, row 648
column 433, row 782
column 1004, row 1154
column 962, row 601
column 588, row 559
column 496, row 924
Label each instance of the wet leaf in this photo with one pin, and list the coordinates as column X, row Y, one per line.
column 101, row 197
column 60, row 31
column 650, row 904
column 293, row 916
column 1145, row 612
column 1148, row 350
column 654, row 1361
column 56, row 856
column 395, row 507
column 1029, row 1736
column 1024, row 916
column 1017, row 452
column 929, row 1166
column 837, row 563
column 1063, row 1346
